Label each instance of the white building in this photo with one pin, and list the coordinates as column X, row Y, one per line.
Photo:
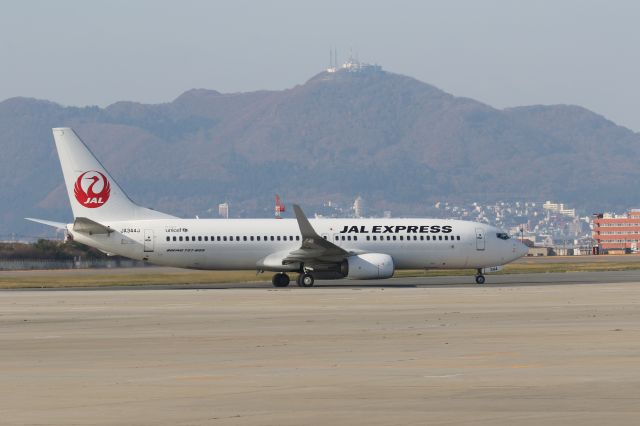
column 559, row 208
column 358, row 207
column 223, row 210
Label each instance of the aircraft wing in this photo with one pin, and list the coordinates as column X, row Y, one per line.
column 314, row 248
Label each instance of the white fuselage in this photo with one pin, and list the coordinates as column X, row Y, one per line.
column 235, row 244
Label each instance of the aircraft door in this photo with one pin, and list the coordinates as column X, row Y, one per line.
column 148, row 240
column 480, row 241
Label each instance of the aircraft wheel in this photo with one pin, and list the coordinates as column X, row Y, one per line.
column 280, row 280
column 305, row 280
column 479, row 279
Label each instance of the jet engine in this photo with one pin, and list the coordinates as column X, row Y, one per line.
column 368, row 266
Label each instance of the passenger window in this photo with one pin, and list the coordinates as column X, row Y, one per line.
column 297, row 237
column 343, row 238
column 224, row 238
column 206, row 238
column 244, row 238
column 337, row 238
column 258, row 238
column 218, row 238
column 446, row 237
column 251, row 238
column 278, row 237
column 440, row 237
column 174, row 238
column 458, row 237
column 180, row 238
column 368, row 238
column 401, row 238
column 388, row 238
column 237, row 238
column 421, row 237
column 272, row 239
column 375, row 238
column 428, row 238
column 349, row 237
column 168, row 238
column 199, row 237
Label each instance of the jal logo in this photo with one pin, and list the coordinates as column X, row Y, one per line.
column 92, row 189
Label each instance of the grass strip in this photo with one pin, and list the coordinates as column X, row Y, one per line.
column 102, row 278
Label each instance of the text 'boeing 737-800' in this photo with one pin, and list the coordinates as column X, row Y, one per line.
column 105, row 218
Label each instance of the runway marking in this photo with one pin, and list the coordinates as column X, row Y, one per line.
column 201, row 378
column 444, row 376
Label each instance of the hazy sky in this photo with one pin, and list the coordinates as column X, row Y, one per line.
column 504, row 53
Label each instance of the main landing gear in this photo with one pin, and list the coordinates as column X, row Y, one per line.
column 280, row 280
column 479, row 277
column 305, row 280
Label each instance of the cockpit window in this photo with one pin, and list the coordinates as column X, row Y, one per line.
column 502, row 235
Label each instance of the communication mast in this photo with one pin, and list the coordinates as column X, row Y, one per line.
column 279, row 208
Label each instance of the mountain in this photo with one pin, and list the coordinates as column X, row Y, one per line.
column 398, row 142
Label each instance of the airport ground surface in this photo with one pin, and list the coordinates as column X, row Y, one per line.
column 525, row 349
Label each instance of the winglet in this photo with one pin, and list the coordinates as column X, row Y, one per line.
column 306, row 229
column 313, row 247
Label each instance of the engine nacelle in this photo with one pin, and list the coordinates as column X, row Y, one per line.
column 368, row 266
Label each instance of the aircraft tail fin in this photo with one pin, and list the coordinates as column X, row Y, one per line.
column 93, row 193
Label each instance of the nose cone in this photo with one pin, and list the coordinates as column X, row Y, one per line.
column 520, row 250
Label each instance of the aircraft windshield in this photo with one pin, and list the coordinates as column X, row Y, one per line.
column 502, row 235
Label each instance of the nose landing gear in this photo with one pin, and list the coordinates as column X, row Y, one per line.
column 479, row 277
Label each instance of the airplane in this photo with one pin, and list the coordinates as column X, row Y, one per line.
column 322, row 248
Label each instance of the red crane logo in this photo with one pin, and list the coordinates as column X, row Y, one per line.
column 92, row 189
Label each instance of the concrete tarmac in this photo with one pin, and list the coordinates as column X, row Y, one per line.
column 520, row 350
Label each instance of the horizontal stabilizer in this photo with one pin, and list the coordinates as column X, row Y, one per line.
column 88, row 226
column 58, row 225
